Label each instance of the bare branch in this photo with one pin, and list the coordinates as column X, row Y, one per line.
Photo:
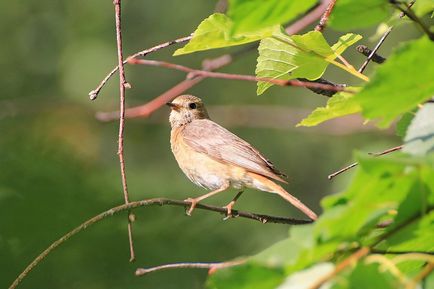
column 325, row 17
column 94, row 93
column 211, row 266
column 370, row 56
column 331, row 176
column 193, row 72
column 122, row 85
column 160, row 202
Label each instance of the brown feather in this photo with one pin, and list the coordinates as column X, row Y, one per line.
column 207, row 137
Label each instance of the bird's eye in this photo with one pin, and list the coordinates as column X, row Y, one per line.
column 192, row 105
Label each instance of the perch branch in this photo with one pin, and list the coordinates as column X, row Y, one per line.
column 94, row 93
column 211, row 266
column 158, row 201
column 203, row 73
column 325, row 17
column 331, row 176
column 122, row 85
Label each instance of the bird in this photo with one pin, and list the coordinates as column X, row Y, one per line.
column 216, row 159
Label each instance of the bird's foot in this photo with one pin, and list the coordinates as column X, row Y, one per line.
column 228, row 208
column 193, row 203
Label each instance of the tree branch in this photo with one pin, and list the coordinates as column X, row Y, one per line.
column 122, row 85
column 160, row 202
column 331, row 176
column 94, row 93
column 325, row 17
column 211, row 266
column 203, row 73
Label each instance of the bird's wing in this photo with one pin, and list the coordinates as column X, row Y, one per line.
column 208, row 137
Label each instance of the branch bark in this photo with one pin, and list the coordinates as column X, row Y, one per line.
column 331, row 176
column 325, row 17
column 122, row 85
column 160, row 202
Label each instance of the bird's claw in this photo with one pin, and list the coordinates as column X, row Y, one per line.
column 193, row 203
column 228, row 208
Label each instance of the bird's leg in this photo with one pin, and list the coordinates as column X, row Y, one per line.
column 198, row 199
column 230, row 205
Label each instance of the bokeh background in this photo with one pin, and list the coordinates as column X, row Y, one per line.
column 58, row 164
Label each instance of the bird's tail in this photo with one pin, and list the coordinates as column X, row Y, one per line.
column 264, row 184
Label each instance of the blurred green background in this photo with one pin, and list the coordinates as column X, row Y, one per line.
column 58, row 164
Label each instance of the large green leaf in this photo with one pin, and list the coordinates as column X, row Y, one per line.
column 365, row 276
column 400, row 84
column 216, row 32
column 306, row 56
column 420, row 136
column 250, row 15
column 353, row 14
column 248, row 276
column 340, row 104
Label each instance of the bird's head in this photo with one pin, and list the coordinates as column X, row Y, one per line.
column 185, row 109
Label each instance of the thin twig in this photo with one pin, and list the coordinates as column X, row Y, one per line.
column 325, row 17
column 147, row 109
column 381, row 41
column 203, row 73
column 160, row 202
column 122, row 85
column 94, row 93
column 211, row 266
column 424, row 273
column 331, row 176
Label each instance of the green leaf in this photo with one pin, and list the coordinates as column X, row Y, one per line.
column 252, row 15
column 367, row 276
column 420, row 136
column 338, row 105
column 403, row 123
column 351, row 14
column 215, row 32
column 422, row 7
column 400, row 84
column 307, row 56
column 248, row 276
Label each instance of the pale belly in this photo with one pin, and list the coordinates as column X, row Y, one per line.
column 205, row 171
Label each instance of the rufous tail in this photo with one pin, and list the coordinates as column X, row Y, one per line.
column 270, row 186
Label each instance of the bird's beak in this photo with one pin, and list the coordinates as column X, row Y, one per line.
column 173, row 106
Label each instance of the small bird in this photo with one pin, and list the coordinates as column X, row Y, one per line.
column 216, row 159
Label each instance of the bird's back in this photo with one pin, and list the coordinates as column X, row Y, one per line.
column 207, row 137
